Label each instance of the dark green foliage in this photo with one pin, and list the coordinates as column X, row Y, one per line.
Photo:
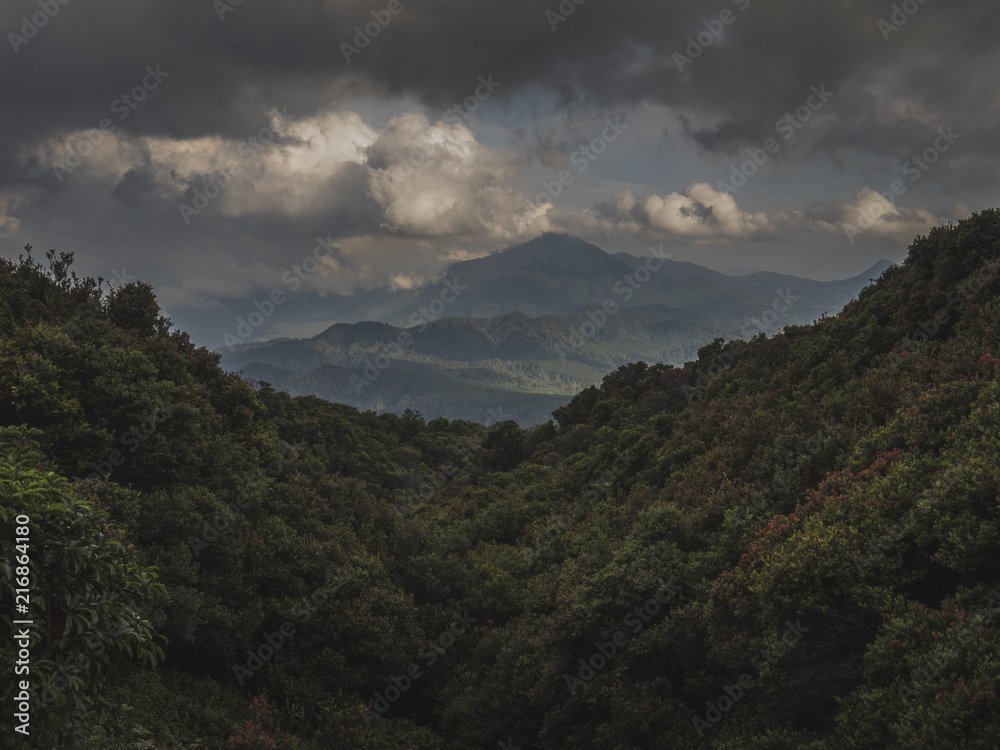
column 802, row 529
column 88, row 600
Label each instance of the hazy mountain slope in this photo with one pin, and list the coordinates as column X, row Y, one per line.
column 458, row 366
column 559, row 274
column 668, row 318
column 469, row 393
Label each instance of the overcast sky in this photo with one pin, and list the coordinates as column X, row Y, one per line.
column 204, row 146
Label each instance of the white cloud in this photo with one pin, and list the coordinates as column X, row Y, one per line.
column 8, row 223
column 401, row 203
column 437, row 180
column 701, row 211
column 700, row 214
column 871, row 212
column 423, row 179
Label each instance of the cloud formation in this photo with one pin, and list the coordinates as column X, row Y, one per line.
column 702, row 214
column 225, row 72
column 699, row 212
column 436, row 180
column 256, row 120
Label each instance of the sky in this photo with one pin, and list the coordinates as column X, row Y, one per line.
column 208, row 147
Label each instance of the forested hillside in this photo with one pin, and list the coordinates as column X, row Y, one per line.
column 530, row 366
column 792, row 542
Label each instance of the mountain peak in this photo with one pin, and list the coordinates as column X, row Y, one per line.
column 557, row 253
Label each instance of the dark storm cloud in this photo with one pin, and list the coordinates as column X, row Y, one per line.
column 134, row 187
column 224, row 74
column 119, row 112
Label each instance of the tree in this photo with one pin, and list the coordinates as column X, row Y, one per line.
column 133, row 307
column 88, row 604
column 504, row 446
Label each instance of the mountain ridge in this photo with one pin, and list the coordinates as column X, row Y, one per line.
column 676, row 310
column 558, row 274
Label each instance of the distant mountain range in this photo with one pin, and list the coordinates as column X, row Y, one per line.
column 523, row 330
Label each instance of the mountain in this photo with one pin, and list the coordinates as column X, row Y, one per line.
column 529, row 327
column 552, row 274
column 459, row 368
column 558, row 275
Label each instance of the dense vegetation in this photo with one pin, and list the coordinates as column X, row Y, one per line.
column 531, row 366
column 792, row 542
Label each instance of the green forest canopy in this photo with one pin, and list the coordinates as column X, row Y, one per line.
column 792, row 542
